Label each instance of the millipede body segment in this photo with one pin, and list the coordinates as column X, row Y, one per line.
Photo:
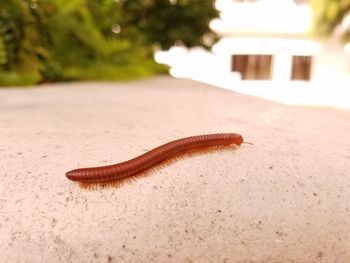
column 124, row 172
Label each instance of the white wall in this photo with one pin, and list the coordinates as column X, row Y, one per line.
column 282, row 51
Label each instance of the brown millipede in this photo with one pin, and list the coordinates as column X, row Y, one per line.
column 124, row 172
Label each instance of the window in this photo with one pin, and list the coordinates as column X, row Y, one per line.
column 252, row 67
column 301, row 67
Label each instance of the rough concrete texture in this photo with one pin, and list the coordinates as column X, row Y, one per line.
column 284, row 199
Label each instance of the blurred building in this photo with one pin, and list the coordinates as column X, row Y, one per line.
column 271, row 40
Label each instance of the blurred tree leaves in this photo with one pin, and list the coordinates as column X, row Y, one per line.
column 168, row 21
column 329, row 14
column 21, row 35
column 55, row 40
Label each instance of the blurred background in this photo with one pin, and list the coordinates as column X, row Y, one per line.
column 48, row 41
column 292, row 51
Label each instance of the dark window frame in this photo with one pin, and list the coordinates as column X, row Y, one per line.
column 301, row 67
column 253, row 66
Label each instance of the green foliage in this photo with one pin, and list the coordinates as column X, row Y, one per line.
column 3, row 56
column 328, row 14
column 13, row 78
column 22, row 43
column 110, row 72
column 59, row 40
column 20, row 32
column 169, row 21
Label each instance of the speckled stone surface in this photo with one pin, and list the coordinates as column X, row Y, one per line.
column 284, row 199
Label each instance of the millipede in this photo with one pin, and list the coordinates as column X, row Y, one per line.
column 125, row 172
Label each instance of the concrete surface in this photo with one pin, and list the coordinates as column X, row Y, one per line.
column 284, row 199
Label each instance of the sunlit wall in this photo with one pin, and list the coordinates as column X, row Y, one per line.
column 267, row 27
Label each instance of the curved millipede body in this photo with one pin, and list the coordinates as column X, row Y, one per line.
column 120, row 173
